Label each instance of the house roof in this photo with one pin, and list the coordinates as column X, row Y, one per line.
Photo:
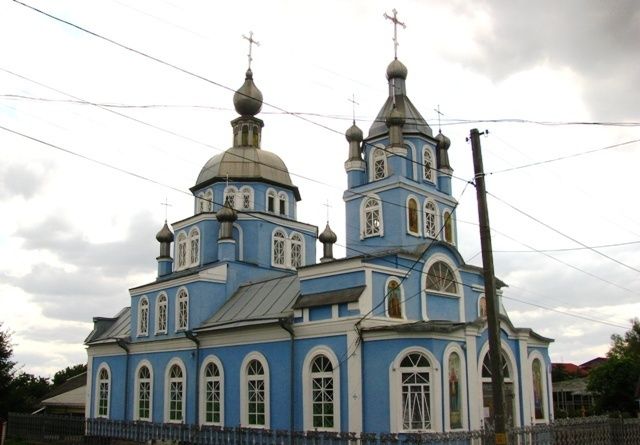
column 348, row 295
column 574, row 386
column 110, row 328
column 70, row 393
column 419, row 326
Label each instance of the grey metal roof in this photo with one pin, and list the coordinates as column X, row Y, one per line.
column 414, row 122
column 330, row 297
column 116, row 327
column 262, row 302
column 420, row 326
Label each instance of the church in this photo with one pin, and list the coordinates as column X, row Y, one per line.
column 244, row 327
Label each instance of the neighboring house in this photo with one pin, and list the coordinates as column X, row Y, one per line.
column 593, row 363
column 243, row 327
column 68, row 398
column 570, row 395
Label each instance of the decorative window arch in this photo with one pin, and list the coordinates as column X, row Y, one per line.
column 181, row 248
column 510, row 385
column 414, row 391
column 271, row 200
column 440, row 278
column 245, row 198
column 200, row 203
column 413, row 218
column 161, row 314
column 455, row 388
column 279, row 248
column 208, row 201
column 394, row 296
column 144, row 392
column 283, row 204
column 371, row 223
column 296, row 243
column 254, row 392
column 194, row 246
column 378, row 164
column 212, row 392
column 182, row 310
column 538, row 388
column 482, row 306
column 230, row 196
column 447, row 223
column 430, row 219
column 103, row 391
column 143, row 316
column 321, row 390
column 429, row 171
column 175, row 391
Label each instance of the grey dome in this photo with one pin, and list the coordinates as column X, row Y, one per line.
column 443, row 142
column 226, row 214
column 248, row 99
column 327, row 236
column 396, row 117
column 354, row 133
column 165, row 235
column 396, row 69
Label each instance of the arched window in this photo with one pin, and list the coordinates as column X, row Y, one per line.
column 539, row 409
column 246, row 198
column 322, row 393
column 282, row 204
column 454, row 390
column 200, row 203
column 278, row 254
column 161, row 314
column 208, row 201
column 487, row 390
column 394, row 299
column 372, row 215
column 297, row 256
column 103, row 390
column 447, row 221
column 271, row 201
column 144, row 391
column 430, row 218
column 482, row 306
column 143, row 316
column 212, row 393
column 440, row 278
column 254, row 396
column 429, row 172
column 379, row 164
column 416, row 392
column 412, row 216
column 182, row 310
column 230, row 193
column 181, row 247
column 245, row 135
column 194, row 247
column 174, row 393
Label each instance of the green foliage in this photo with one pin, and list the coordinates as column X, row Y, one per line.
column 25, row 392
column 629, row 345
column 65, row 374
column 7, row 370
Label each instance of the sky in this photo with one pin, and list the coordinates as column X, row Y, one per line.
column 96, row 133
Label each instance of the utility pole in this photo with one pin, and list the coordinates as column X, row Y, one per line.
column 495, row 352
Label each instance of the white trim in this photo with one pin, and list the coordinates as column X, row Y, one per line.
column 167, row 395
column 240, row 198
column 479, row 305
column 284, row 239
column 240, row 240
column 157, row 313
column 177, row 327
column 181, row 240
column 302, row 249
column 473, row 382
column 436, row 218
column 194, row 234
column 363, row 216
column 208, row 197
column 401, row 183
column 96, row 414
column 244, row 380
column 143, row 332
column 270, row 192
column 452, row 221
column 283, row 201
column 379, row 150
column 354, row 382
column 413, row 160
column 203, row 391
column 395, row 392
column 403, row 310
column 462, row 387
column 136, row 397
column 440, row 257
column 307, row 388
column 536, row 355
column 214, row 274
column 230, row 191
column 434, row 171
column 418, row 232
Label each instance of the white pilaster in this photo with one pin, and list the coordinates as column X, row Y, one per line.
column 354, row 377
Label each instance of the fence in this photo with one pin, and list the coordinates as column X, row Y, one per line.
column 73, row 430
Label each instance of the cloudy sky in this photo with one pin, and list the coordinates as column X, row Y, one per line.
column 95, row 136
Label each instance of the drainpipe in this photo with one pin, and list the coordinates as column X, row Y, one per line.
column 286, row 324
column 123, row 344
column 191, row 336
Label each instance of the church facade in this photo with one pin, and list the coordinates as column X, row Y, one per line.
column 242, row 327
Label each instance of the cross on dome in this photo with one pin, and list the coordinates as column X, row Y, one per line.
column 251, row 42
column 396, row 22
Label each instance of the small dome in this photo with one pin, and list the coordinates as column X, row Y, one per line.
column 226, row 214
column 396, row 69
column 443, row 142
column 327, row 236
column 354, row 133
column 165, row 235
column 396, row 117
column 248, row 99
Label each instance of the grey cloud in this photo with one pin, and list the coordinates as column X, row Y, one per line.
column 57, row 334
column 20, row 180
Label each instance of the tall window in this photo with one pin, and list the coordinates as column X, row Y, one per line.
column 487, row 390
column 174, row 400
column 208, row 201
column 455, row 391
column 200, row 203
column 428, row 165
column 415, row 371
column 182, row 311
column 538, row 389
column 296, row 250
column 271, row 201
column 482, row 306
column 256, row 394
column 103, row 388
column 246, row 198
column 447, row 220
column 394, row 305
column 430, row 228
column 278, row 251
column 412, row 216
column 372, row 218
column 143, row 316
column 282, row 203
column 161, row 314
column 143, row 394
column 212, row 387
column 230, row 193
column 379, row 164
column 440, row 278
column 322, row 393
column 194, row 246
column 181, row 246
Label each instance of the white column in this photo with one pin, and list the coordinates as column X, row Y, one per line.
column 354, row 387
column 525, row 378
column 474, row 387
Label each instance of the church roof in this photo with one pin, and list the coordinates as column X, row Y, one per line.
column 256, row 303
column 110, row 328
column 340, row 296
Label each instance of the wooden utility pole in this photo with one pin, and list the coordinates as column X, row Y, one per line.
column 495, row 350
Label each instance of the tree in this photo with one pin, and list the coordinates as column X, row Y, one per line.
column 614, row 382
column 6, row 368
column 65, row 374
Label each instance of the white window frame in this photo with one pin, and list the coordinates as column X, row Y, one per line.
column 363, row 216
column 98, row 391
column 513, row 379
column 480, row 298
column 418, row 212
column 395, row 391
column 159, row 305
column 293, row 242
column 462, row 387
column 436, row 219
column 273, row 194
column 307, row 388
column 143, row 316
column 283, row 204
column 167, row 390
column 230, row 191
column 248, row 192
column 444, row 227
column 285, row 251
column 438, row 257
column 211, row 359
column 182, row 246
column 185, row 292
column 194, row 235
column 427, row 152
column 536, row 355
column 137, row 399
column 200, row 203
column 208, row 198
column 403, row 312
column 244, row 393
column 378, row 154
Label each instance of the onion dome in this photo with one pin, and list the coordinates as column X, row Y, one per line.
column 442, row 147
column 354, row 133
column 396, row 69
column 327, row 236
column 248, row 99
column 443, row 142
column 396, row 117
column 226, row 214
column 165, row 235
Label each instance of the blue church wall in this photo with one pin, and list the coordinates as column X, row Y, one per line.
column 332, row 282
column 344, row 311
column 320, row 313
column 117, row 365
column 208, row 250
column 443, row 308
